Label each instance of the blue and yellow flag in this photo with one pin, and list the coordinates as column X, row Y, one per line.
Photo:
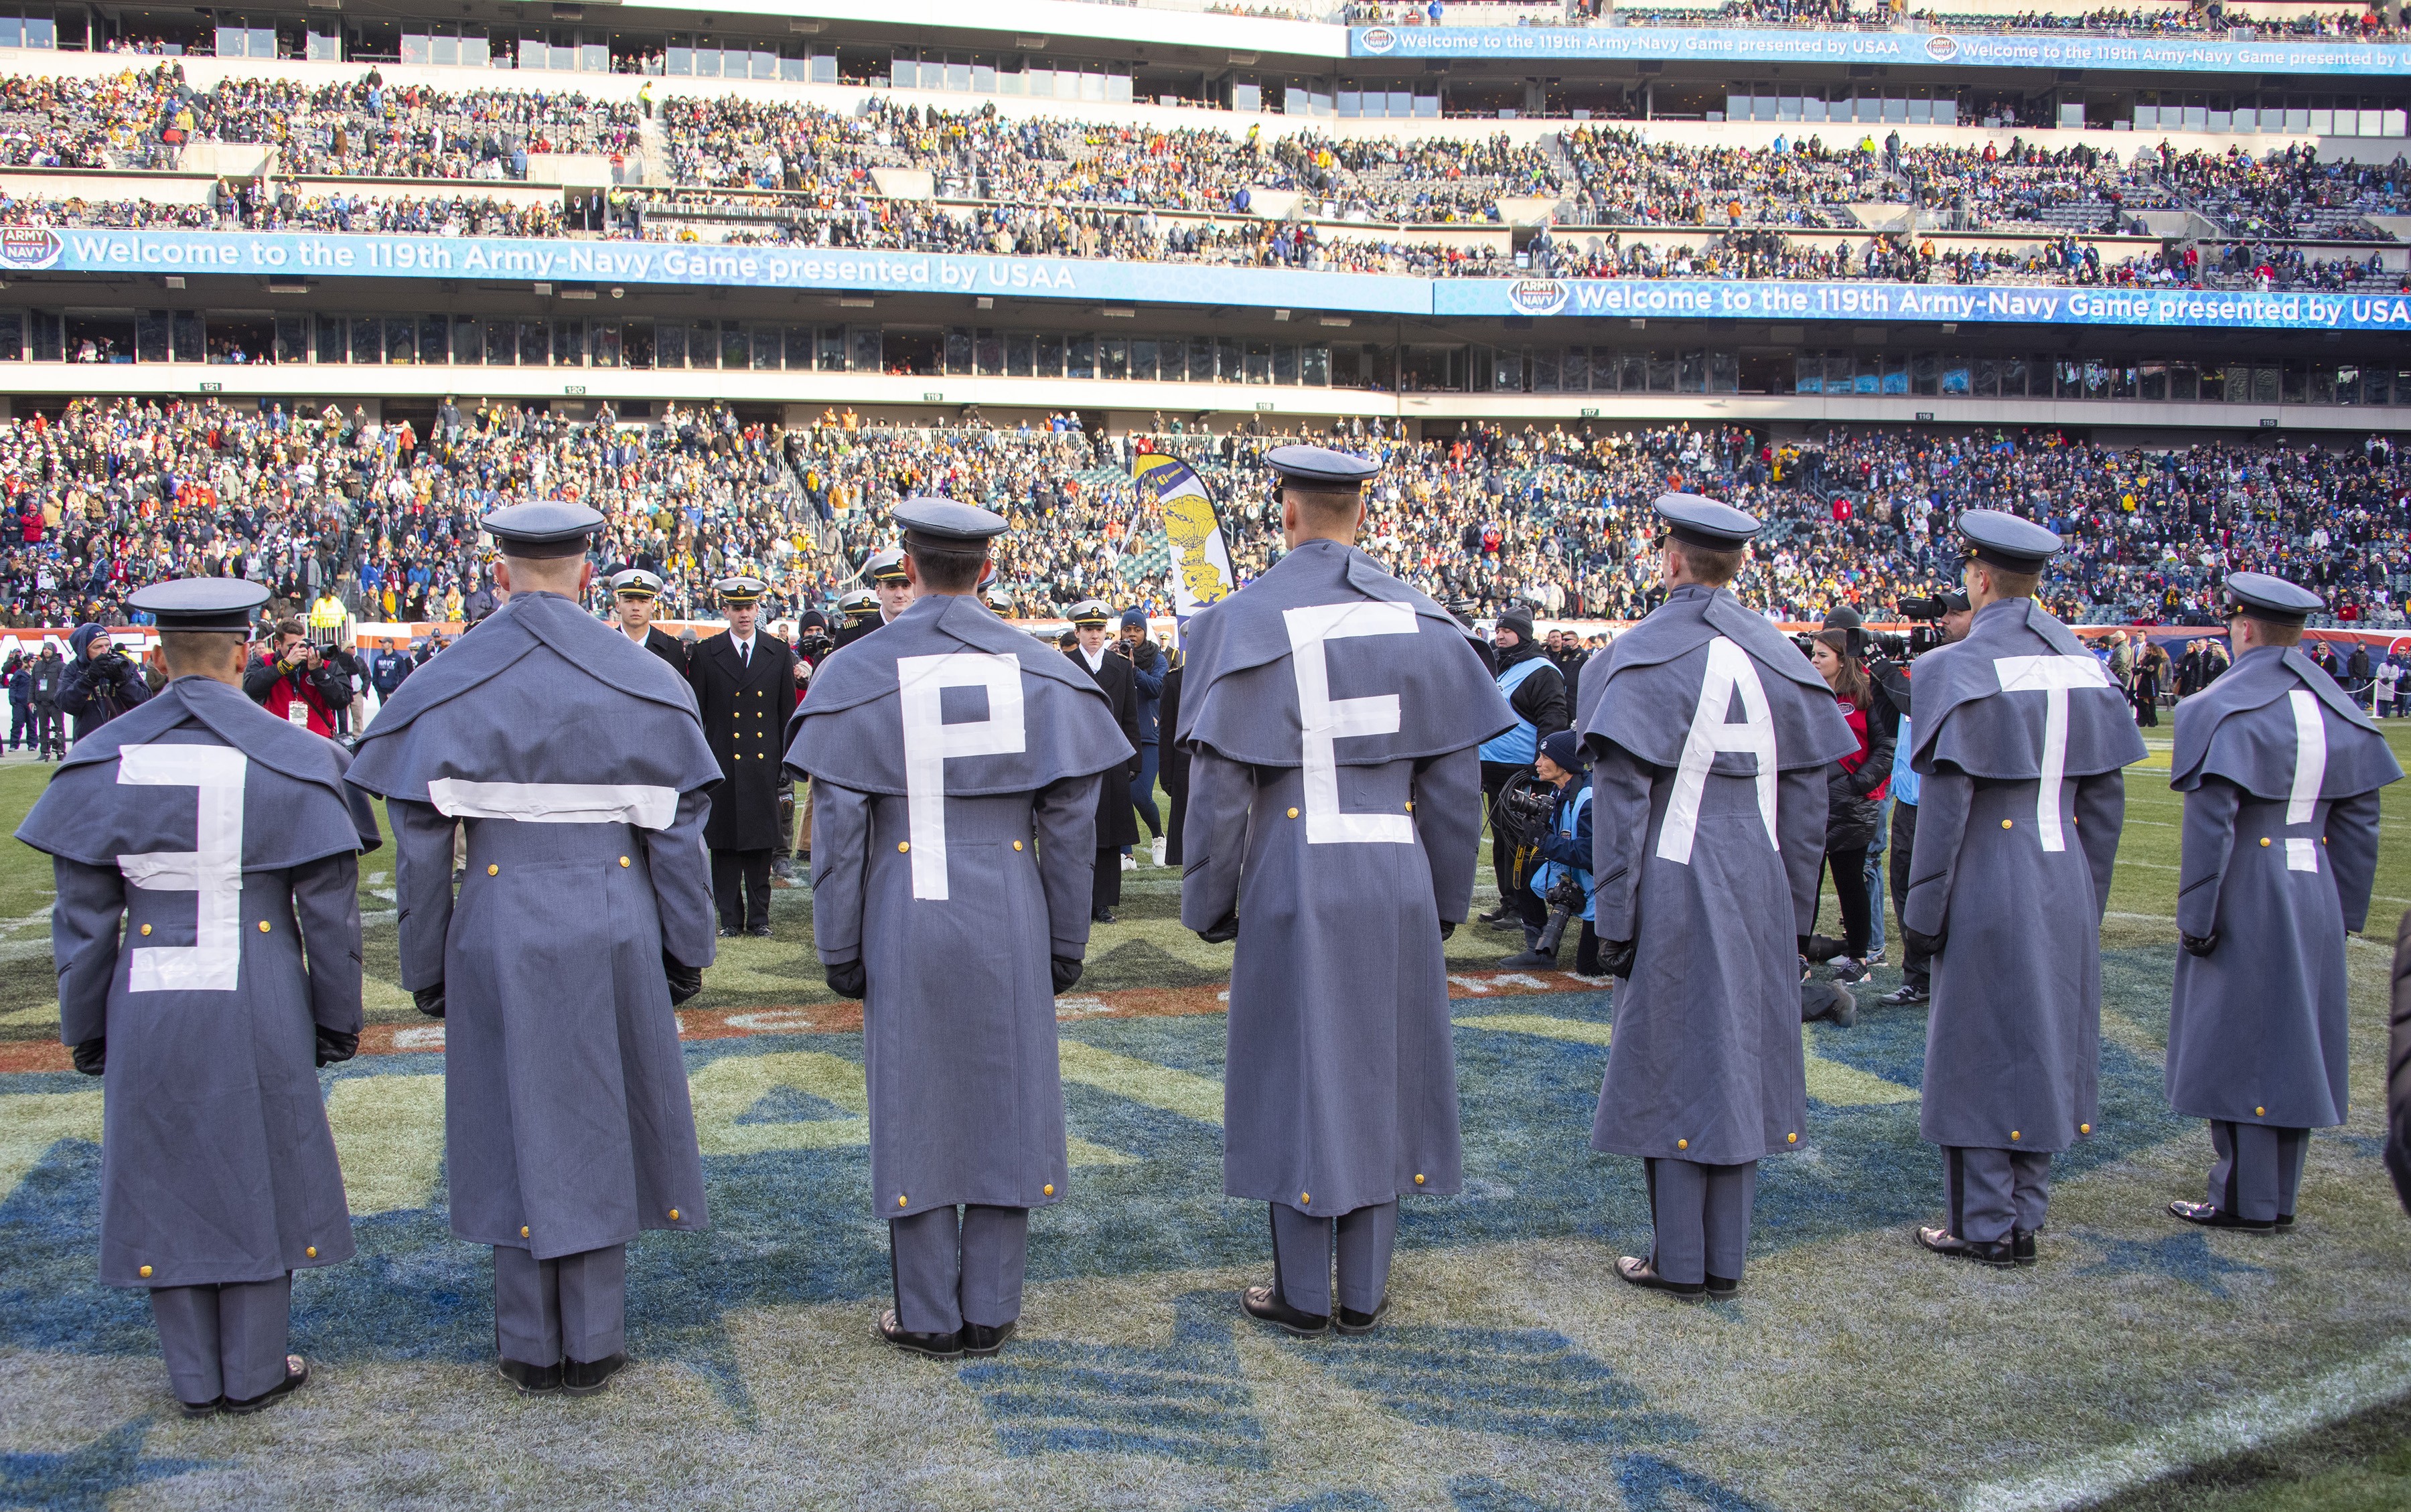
column 1200, row 558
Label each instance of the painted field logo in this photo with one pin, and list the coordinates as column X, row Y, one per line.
column 28, row 247
column 1378, row 39
column 1537, row 296
column 1942, row 49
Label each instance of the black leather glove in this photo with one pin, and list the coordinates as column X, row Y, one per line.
column 2198, row 944
column 1067, row 973
column 1224, row 932
column 685, row 980
column 1447, row 928
column 335, row 1046
column 430, row 1000
column 847, row 981
column 1615, row 956
column 92, row 1056
column 1920, row 944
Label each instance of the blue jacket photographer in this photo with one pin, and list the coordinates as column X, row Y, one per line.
column 100, row 682
column 1562, row 880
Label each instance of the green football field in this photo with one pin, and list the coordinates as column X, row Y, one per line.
column 2141, row 1364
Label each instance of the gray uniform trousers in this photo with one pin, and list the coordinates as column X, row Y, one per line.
column 571, row 1308
column 225, row 1340
column 1302, row 1251
column 951, row 1270
column 2258, row 1170
column 1702, row 1216
column 1995, row 1192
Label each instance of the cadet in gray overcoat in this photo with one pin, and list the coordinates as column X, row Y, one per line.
column 223, row 842
column 954, row 765
column 2019, row 743
column 2281, row 772
column 575, row 759
column 1708, row 834
column 1332, row 715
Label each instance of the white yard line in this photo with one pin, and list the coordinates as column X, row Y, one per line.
column 2231, row 1428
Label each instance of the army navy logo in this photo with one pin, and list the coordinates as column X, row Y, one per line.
column 1537, row 296
column 29, row 247
column 1942, row 49
column 1378, row 39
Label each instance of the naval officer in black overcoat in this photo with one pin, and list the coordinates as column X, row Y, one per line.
column 1117, row 821
column 634, row 591
column 744, row 689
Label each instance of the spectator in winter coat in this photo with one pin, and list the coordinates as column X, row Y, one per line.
column 100, row 682
column 1856, row 787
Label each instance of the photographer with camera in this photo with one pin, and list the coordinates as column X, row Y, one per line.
column 1562, row 881
column 100, row 682
column 295, row 682
column 1938, row 620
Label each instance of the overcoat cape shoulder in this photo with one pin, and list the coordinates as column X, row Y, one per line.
column 2258, row 755
column 1239, row 688
column 429, row 733
column 1068, row 727
column 284, row 827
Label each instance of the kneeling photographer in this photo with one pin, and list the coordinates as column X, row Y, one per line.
column 100, row 682
column 1556, row 834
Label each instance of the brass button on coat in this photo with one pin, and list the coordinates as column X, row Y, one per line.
column 1419, row 1178
column 1304, row 1198
column 1682, row 1144
column 2260, row 1112
column 900, row 1199
column 623, row 861
column 1292, row 813
column 311, row 1252
column 673, row 1215
column 2006, row 824
column 263, row 926
column 902, row 846
column 2085, row 1128
column 494, row 871
column 2013, row 1134
column 2264, row 842
column 1048, row 1190
column 1017, row 845
column 1791, row 1138
column 144, row 1272
column 523, row 1233
column 146, row 929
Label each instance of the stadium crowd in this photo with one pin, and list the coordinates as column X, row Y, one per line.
column 785, row 173
column 106, row 497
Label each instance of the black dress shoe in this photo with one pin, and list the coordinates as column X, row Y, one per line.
column 1497, row 915
column 202, row 1409
column 2000, row 1252
column 726, row 933
column 1103, row 916
column 1723, row 1289
column 1265, row 1304
column 1642, row 1274
column 1348, row 1320
column 2210, row 1216
column 2022, row 1246
column 935, row 1346
column 532, row 1380
column 296, row 1370
column 758, row 930
column 2285, row 1223
column 982, row 1339
column 584, row 1377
